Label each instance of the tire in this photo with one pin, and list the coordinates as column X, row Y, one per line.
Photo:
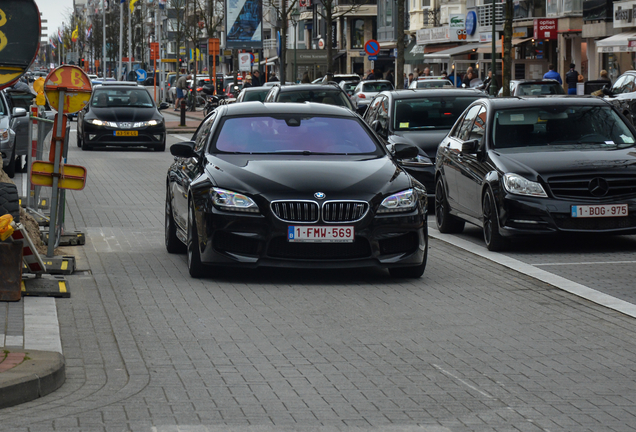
column 410, row 272
column 9, row 201
column 195, row 267
column 446, row 223
column 86, row 147
column 494, row 240
column 160, row 147
column 10, row 169
column 79, row 139
column 173, row 244
column 200, row 101
column 18, row 165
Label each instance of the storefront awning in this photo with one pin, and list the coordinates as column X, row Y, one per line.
column 486, row 48
column 450, row 52
column 618, row 43
column 413, row 53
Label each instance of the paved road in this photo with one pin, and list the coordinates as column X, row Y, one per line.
column 472, row 346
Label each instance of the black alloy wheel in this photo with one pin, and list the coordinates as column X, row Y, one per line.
column 173, row 244
column 195, row 267
column 494, row 240
column 410, row 272
column 446, row 223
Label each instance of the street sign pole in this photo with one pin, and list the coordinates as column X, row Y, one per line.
column 59, row 141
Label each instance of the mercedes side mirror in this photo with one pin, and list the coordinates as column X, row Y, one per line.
column 470, row 146
column 405, row 151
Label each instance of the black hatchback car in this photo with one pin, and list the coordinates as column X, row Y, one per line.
column 330, row 94
column 544, row 165
column 121, row 114
column 293, row 185
column 422, row 118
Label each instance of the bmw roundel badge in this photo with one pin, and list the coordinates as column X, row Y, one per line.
column 320, row 195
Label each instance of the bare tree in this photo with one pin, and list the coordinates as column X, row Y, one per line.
column 281, row 10
column 399, row 60
column 507, row 60
column 211, row 13
column 177, row 25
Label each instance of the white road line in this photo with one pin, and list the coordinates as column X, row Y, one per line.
column 462, row 381
column 585, row 263
column 542, row 275
column 181, row 137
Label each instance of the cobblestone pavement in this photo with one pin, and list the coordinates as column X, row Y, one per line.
column 471, row 346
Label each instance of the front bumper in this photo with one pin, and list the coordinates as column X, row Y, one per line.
column 527, row 215
column 261, row 241
column 102, row 136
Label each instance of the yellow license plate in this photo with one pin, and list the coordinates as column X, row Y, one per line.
column 126, row 133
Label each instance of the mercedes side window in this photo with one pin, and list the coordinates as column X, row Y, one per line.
column 467, row 123
column 478, row 130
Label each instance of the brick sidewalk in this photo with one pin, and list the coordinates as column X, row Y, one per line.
column 10, row 360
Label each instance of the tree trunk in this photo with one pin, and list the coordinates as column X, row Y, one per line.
column 283, row 44
column 399, row 60
column 329, row 36
column 507, row 66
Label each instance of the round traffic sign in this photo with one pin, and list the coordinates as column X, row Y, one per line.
column 76, row 85
column 372, row 47
column 141, row 75
column 251, row 58
column 19, row 38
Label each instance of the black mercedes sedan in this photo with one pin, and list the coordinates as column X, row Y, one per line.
column 300, row 185
column 422, row 118
column 121, row 114
column 541, row 165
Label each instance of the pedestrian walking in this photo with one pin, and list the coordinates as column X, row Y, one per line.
column 605, row 76
column 256, row 78
column 468, row 77
column 552, row 74
column 390, row 77
column 273, row 77
column 306, row 79
column 182, row 87
column 370, row 75
column 571, row 79
column 247, row 82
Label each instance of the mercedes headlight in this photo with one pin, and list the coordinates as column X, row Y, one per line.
column 518, row 185
column 98, row 122
column 233, row 201
column 147, row 123
column 4, row 134
column 399, row 202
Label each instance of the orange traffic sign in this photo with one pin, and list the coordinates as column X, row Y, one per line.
column 71, row 176
column 154, row 50
column 76, row 85
column 213, row 46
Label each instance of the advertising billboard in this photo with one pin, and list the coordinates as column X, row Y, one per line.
column 244, row 20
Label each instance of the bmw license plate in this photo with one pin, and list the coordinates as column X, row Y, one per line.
column 126, row 133
column 595, row 211
column 321, row 234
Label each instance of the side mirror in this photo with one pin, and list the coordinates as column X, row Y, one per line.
column 163, row 106
column 607, row 91
column 377, row 127
column 183, row 149
column 19, row 112
column 405, row 151
column 470, row 146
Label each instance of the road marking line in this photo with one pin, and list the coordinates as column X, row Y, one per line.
column 586, row 263
column 462, row 381
column 181, row 137
column 542, row 275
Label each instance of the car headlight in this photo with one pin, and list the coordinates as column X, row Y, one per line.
column 4, row 134
column 399, row 202
column 98, row 122
column 516, row 184
column 233, row 201
column 147, row 123
column 417, row 161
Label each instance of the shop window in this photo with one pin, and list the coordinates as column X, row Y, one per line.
column 357, row 33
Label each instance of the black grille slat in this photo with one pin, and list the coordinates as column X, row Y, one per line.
column 344, row 211
column 296, row 211
column 620, row 185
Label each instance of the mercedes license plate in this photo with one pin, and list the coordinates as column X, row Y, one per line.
column 321, row 234
column 604, row 210
column 126, row 133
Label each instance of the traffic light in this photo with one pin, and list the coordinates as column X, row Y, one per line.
column 82, row 62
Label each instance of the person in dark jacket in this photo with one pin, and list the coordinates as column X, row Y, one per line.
column 571, row 78
column 256, row 78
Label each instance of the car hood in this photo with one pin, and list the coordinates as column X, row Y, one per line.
column 299, row 177
column 123, row 114
column 427, row 140
column 536, row 164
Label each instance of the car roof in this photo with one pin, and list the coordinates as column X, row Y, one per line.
column 543, row 100
column 274, row 108
column 295, row 87
column 433, row 92
column 374, row 81
column 535, row 81
column 120, row 83
column 255, row 89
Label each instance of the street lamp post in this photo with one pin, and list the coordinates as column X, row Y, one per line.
column 294, row 19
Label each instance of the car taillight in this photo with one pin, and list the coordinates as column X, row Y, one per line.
column 362, row 96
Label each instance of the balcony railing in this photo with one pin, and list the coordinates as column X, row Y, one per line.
column 597, row 10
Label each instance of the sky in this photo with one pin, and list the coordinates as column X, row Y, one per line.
column 55, row 11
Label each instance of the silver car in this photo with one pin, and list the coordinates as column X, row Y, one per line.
column 365, row 91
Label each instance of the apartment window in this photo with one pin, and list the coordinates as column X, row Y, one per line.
column 426, row 4
column 357, row 33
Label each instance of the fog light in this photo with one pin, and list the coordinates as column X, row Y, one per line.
column 91, row 137
column 157, row 137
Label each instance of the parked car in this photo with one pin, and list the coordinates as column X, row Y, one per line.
column 121, row 114
column 536, row 87
column 243, row 203
column 338, row 78
column 322, row 93
column 365, row 91
column 252, row 94
column 528, row 166
column 348, row 86
column 431, row 82
column 7, row 135
column 421, row 118
column 623, row 95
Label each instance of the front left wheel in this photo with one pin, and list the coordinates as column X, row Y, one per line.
column 494, row 240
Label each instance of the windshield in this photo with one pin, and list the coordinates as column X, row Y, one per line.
column 564, row 127
column 429, row 112
column 377, row 87
column 133, row 97
column 295, row 135
column 331, row 97
column 536, row 89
